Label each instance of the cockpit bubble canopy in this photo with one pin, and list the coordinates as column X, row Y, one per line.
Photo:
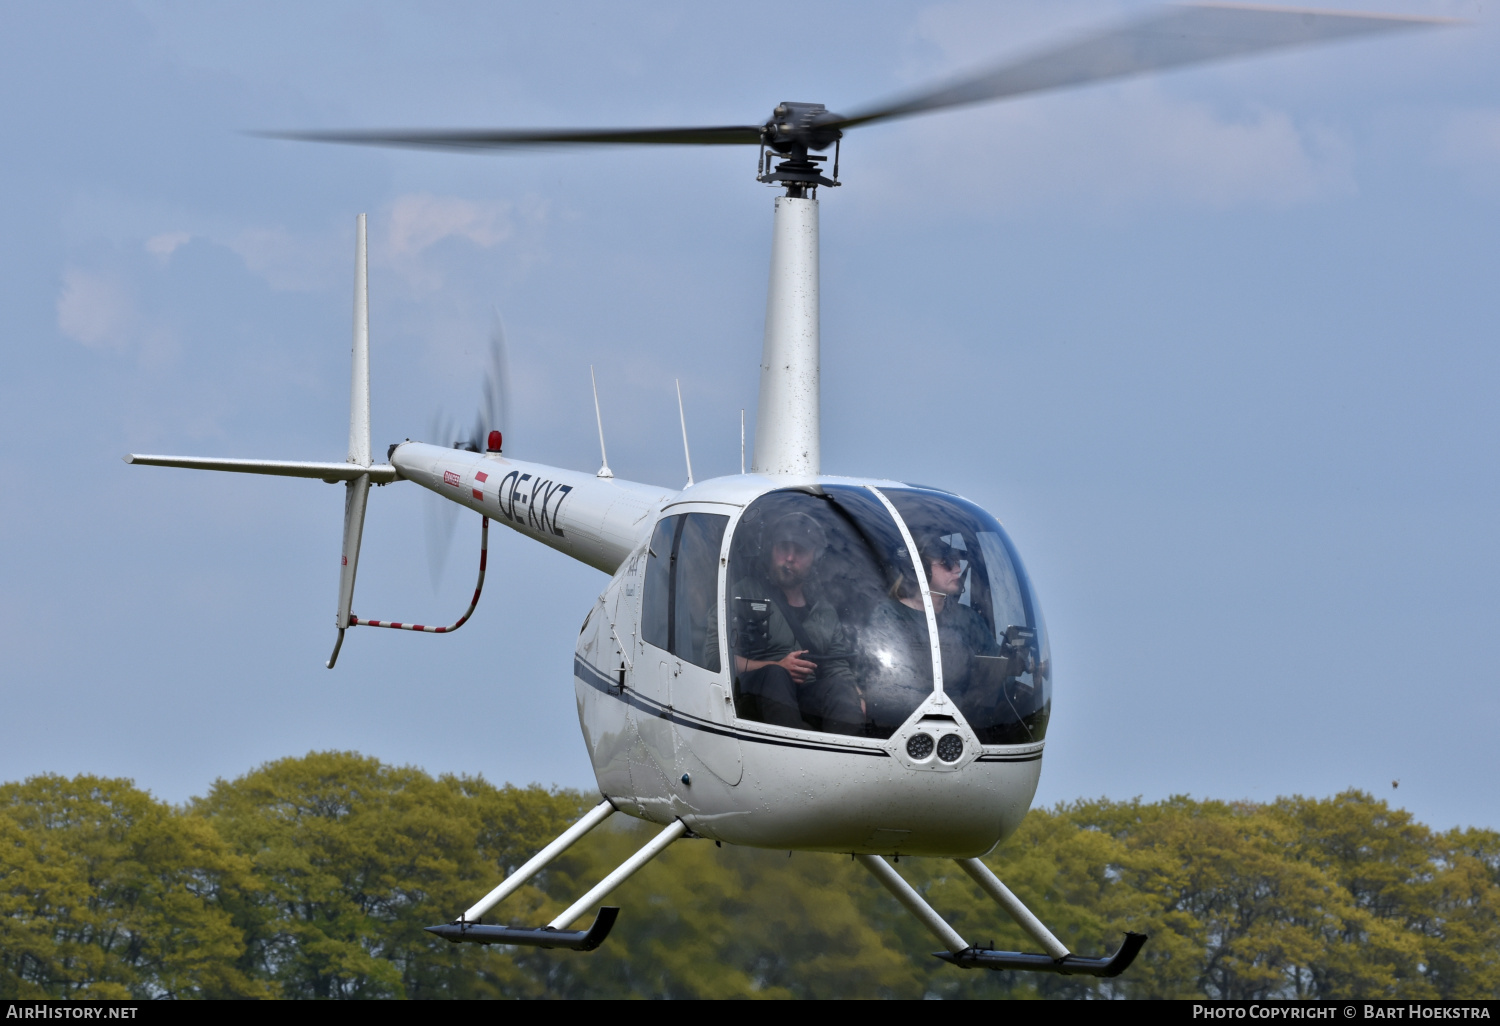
column 827, row 627
column 995, row 659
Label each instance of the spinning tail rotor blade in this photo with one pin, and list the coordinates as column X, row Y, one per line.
column 440, row 516
column 494, row 407
column 1170, row 38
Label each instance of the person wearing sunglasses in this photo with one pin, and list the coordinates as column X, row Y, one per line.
column 962, row 633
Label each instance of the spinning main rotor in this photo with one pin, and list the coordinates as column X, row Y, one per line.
column 1169, row 38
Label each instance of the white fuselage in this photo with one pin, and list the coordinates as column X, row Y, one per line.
column 662, row 733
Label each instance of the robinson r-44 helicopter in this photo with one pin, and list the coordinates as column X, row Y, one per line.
column 782, row 658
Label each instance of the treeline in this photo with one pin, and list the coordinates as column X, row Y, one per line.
column 313, row 878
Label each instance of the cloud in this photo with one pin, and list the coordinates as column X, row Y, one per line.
column 405, row 239
column 1114, row 146
column 1131, row 148
column 289, row 262
column 96, row 309
column 162, row 246
column 419, row 221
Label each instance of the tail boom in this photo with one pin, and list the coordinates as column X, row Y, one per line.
column 597, row 521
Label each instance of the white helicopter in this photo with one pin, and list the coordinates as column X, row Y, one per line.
column 786, row 659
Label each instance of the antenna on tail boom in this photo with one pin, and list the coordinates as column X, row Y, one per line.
column 683, row 417
column 604, row 470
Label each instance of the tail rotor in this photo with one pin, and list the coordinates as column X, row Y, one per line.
column 440, row 516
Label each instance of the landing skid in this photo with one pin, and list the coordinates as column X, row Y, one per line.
column 1069, row 965
column 467, row 929
column 1058, row 958
column 546, row 937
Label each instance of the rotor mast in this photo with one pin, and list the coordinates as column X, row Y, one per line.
column 787, row 425
column 787, row 422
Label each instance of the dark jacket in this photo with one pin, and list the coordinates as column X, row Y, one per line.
column 758, row 630
column 902, row 631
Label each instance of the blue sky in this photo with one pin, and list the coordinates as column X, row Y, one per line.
column 1219, row 347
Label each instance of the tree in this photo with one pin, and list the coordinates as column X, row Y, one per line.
column 703, row 921
column 314, row 877
column 355, row 857
column 107, row 893
column 1461, row 924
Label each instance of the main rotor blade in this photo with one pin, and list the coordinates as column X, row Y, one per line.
column 1172, row 38
column 486, row 139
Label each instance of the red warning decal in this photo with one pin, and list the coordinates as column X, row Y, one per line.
column 449, row 477
column 481, row 477
column 477, row 493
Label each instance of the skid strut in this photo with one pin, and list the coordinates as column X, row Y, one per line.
column 965, row 955
column 468, row 929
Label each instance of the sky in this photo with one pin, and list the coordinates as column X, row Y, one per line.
column 1218, row 346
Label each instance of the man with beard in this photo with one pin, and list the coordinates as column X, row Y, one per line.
column 792, row 658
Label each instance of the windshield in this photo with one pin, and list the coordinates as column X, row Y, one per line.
column 995, row 660
column 817, row 640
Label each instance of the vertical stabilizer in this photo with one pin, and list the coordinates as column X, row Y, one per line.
column 359, row 383
column 787, row 425
column 357, row 491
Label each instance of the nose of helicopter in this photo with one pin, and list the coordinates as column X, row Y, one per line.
column 936, row 739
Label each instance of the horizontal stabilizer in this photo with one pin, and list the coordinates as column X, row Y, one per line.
column 535, row 937
column 380, row 473
column 1072, row 965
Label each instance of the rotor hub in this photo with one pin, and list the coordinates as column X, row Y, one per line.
column 792, row 130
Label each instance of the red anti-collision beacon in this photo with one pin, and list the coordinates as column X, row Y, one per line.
column 494, row 443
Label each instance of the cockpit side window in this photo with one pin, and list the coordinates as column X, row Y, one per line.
column 682, row 573
column 695, row 589
column 657, row 585
column 993, row 643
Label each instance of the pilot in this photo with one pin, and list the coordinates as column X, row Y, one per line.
column 792, row 658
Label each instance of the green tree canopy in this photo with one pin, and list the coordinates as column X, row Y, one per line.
column 314, row 876
column 355, row 857
column 107, row 893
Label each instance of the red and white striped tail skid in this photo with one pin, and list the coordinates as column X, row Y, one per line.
column 396, row 625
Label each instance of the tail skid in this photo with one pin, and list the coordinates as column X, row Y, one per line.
column 397, row 625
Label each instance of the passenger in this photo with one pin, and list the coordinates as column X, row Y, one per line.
column 963, row 634
column 792, row 657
